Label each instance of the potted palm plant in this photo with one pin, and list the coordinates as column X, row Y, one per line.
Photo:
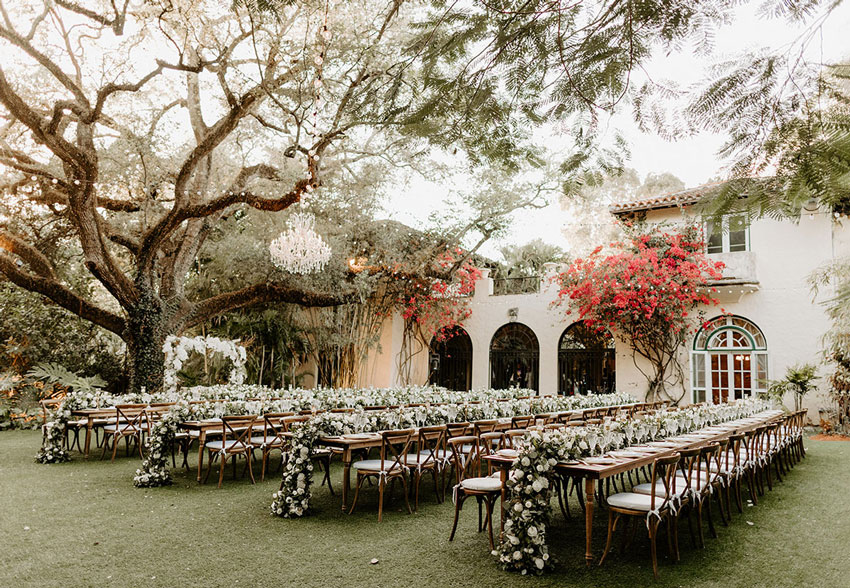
column 799, row 379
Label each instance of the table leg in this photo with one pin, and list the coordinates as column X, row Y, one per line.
column 589, row 497
column 346, row 477
column 89, row 426
column 503, row 476
column 202, row 439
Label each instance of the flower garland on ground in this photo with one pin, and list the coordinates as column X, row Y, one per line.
column 177, row 351
column 523, row 548
column 293, row 498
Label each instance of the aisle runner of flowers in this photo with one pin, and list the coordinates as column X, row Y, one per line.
column 293, row 499
column 523, row 548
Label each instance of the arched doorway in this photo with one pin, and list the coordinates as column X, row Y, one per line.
column 586, row 361
column 514, row 358
column 728, row 360
column 451, row 361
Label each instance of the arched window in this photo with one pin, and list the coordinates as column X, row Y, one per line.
column 514, row 358
column 451, row 361
column 586, row 360
column 728, row 361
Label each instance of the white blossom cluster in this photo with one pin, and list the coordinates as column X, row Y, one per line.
column 177, row 350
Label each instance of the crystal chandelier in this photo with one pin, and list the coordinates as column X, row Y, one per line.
column 300, row 250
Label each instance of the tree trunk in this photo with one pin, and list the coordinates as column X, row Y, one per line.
column 144, row 336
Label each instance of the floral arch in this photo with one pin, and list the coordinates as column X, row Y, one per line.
column 177, row 350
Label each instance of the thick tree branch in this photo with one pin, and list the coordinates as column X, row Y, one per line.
column 263, row 293
column 34, row 258
column 61, row 295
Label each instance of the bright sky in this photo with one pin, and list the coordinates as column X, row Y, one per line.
column 694, row 159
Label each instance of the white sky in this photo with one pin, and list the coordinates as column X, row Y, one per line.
column 694, row 159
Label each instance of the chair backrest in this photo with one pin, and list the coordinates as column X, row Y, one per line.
column 733, row 452
column 484, row 427
column 288, row 421
column 342, row 410
column 458, row 429
column 376, row 407
column 429, row 442
column 575, row 424
column 131, row 416
column 513, row 434
column 705, row 474
column 395, row 445
column 237, row 428
column 663, row 469
column 522, row 422
column 490, row 443
column 688, row 462
column 273, row 429
column 467, row 465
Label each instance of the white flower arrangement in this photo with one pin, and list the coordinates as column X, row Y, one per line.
column 177, row 351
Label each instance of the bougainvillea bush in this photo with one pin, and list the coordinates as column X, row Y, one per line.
column 650, row 289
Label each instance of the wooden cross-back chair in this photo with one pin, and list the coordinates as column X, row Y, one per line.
column 655, row 508
column 272, row 439
column 130, row 423
column 430, row 441
column 470, row 483
column 235, row 442
column 392, row 465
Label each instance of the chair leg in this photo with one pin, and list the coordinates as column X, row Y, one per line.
column 407, row 493
column 249, row 457
column 263, row 465
column 674, row 525
column 612, row 525
column 209, row 468
column 115, row 441
column 356, row 493
column 458, row 506
column 700, row 533
column 327, row 465
column 653, row 532
column 382, row 482
column 221, row 469
column 710, row 518
column 489, row 504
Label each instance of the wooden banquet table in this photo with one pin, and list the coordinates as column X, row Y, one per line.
column 596, row 472
column 213, row 427
column 348, row 444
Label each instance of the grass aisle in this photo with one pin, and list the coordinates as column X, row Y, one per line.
column 84, row 524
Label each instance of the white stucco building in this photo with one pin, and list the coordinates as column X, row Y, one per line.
column 520, row 339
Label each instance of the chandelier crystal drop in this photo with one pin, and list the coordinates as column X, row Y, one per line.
column 300, row 250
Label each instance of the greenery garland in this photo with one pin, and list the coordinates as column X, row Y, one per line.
column 523, row 548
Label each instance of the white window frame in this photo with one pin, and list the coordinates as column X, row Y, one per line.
column 759, row 357
column 725, row 246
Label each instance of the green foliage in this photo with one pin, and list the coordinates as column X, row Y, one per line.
column 29, row 335
column 521, row 261
column 58, row 375
column 799, row 380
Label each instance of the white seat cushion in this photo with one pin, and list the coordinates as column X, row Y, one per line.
column 231, row 444
column 423, row 458
column 646, row 488
column 374, row 465
column 634, row 501
column 270, row 440
column 126, row 428
column 482, row 484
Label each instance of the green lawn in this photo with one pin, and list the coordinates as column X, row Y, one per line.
column 84, row 524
